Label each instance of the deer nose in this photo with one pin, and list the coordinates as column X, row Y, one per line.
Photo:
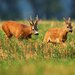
column 36, row 33
column 70, row 30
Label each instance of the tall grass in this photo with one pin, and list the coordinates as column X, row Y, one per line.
column 32, row 57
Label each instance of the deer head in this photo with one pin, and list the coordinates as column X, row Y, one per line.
column 33, row 24
column 68, row 24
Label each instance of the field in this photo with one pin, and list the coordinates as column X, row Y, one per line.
column 32, row 57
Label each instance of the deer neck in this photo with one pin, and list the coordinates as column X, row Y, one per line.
column 66, row 30
column 64, row 36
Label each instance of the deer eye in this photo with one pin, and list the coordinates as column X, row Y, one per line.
column 32, row 29
column 67, row 26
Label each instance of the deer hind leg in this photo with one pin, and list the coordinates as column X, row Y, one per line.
column 17, row 35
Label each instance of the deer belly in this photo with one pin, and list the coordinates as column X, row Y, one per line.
column 56, row 40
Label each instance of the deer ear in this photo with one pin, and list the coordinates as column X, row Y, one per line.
column 64, row 18
column 69, row 19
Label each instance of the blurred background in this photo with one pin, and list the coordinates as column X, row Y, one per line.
column 45, row 9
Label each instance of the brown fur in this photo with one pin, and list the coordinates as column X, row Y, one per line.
column 58, row 35
column 16, row 29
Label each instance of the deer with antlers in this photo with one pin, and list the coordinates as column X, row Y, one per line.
column 58, row 35
column 13, row 28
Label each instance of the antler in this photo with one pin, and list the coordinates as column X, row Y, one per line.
column 36, row 21
column 30, row 18
column 37, row 18
column 31, row 21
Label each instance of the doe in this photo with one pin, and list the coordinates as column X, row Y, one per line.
column 58, row 35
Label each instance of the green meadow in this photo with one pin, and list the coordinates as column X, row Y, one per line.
column 33, row 57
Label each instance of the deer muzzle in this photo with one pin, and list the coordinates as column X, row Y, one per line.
column 36, row 33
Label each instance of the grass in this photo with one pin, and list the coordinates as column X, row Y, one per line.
column 31, row 57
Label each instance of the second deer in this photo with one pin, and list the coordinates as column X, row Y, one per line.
column 58, row 35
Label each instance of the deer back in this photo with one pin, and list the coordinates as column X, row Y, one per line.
column 16, row 29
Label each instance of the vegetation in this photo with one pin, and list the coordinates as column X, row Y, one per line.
column 33, row 57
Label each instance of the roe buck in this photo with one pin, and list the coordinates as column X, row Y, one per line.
column 20, row 30
column 58, row 35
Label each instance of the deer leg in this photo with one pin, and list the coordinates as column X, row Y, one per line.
column 9, row 35
column 63, row 45
column 29, row 36
column 17, row 36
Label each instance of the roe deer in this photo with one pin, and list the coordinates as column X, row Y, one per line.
column 20, row 30
column 58, row 35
